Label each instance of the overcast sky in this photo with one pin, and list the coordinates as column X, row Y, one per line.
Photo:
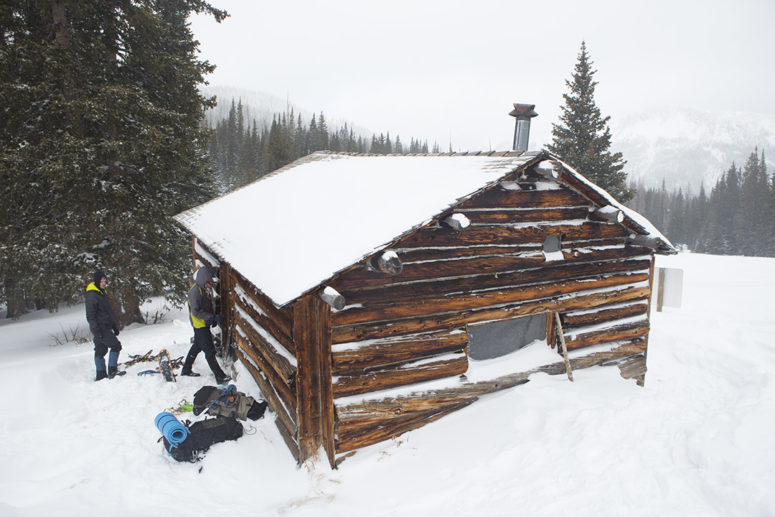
column 451, row 69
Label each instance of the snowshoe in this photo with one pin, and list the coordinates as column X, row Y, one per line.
column 165, row 365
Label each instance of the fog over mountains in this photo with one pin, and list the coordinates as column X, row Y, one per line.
column 685, row 147
column 679, row 146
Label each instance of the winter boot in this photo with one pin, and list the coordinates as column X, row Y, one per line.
column 113, row 371
column 101, row 374
column 188, row 373
column 222, row 379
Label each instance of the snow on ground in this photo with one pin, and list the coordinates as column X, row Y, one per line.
column 694, row 441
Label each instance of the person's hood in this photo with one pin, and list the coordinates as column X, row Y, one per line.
column 202, row 276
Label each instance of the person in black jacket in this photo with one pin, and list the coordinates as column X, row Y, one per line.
column 103, row 327
column 201, row 314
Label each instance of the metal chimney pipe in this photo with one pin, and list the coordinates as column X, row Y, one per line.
column 523, row 114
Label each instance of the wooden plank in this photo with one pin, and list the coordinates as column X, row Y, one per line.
column 372, row 330
column 314, row 398
column 283, row 317
column 290, row 442
column 488, row 235
column 286, row 392
column 563, row 347
column 359, row 278
column 571, row 321
column 499, row 198
column 391, row 378
column 267, row 323
column 446, row 287
column 347, row 441
column 269, row 393
column 277, row 362
column 503, row 216
column 428, row 306
column 387, row 352
column 327, row 416
column 619, row 333
column 411, row 255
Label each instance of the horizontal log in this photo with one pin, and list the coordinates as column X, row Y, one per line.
column 598, row 199
column 428, row 306
column 360, row 278
column 351, row 439
column 488, row 235
column 360, row 332
column 406, row 374
column 572, row 321
column 283, row 317
column 279, row 364
column 266, row 322
column 522, row 216
column 618, row 333
column 272, row 398
column 286, row 392
column 554, row 272
column 410, row 255
column 383, row 353
column 498, row 198
column 359, row 417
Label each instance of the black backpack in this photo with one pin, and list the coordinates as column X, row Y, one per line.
column 202, row 435
column 226, row 401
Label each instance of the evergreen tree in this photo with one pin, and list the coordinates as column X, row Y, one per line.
column 583, row 138
column 100, row 143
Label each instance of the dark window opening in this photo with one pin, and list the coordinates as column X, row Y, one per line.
column 497, row 338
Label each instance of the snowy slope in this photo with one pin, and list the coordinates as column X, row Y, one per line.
column 694, row 441
column 687, row 147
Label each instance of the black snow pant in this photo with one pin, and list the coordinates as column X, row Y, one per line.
column 203, row 342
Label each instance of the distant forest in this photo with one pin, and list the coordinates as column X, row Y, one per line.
column 242, row 151
column 737, row 218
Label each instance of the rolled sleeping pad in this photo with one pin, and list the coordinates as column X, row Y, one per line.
column 175, row 432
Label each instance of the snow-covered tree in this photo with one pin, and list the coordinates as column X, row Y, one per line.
column 100, row 143
column 583, row 138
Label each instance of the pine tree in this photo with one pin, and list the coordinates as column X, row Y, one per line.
column 583, row 138
column 100, row 143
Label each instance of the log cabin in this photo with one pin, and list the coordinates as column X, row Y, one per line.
column 369, row 295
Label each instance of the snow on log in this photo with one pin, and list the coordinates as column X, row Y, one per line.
column 510, row 185
column 546, row 169
column 387, row 262
column 647, row 241
column 609, row 213
column 458, row 222
column 332, row 297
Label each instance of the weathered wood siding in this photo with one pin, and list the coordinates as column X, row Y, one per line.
column 412, row 327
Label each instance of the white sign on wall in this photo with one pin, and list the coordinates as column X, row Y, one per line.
column 669, row 287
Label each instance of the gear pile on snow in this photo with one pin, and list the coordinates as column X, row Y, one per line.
column 189, row 442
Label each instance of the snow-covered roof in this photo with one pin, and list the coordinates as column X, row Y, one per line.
column 293, row 229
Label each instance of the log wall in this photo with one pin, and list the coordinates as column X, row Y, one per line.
column 399, row 330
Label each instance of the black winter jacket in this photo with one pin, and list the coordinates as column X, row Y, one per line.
column 98, row 311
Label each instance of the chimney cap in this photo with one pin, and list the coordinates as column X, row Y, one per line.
column 523, row 111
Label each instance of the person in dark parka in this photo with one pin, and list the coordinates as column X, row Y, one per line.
column 200, row 306
column 103, row 326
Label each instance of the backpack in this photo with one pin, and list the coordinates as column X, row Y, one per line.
column 226, row 401
column 201, row 436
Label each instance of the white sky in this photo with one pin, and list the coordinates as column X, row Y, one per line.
column 451, row 69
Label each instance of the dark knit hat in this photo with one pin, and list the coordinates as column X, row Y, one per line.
column 99, row 275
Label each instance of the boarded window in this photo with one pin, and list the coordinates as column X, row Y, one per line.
column 494, row 339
